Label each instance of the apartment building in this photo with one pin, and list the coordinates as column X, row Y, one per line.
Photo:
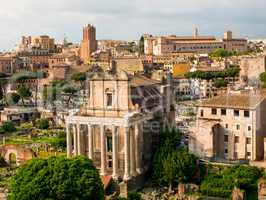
column 230, row 127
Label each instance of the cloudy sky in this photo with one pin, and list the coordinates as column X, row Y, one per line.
column 128, row 19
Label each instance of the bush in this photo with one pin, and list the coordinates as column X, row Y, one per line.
column 221, row 185
column 59, row 143
column 8, row 127
column 57, row 178
column 134, row 196
column 42, row 123
column 12, row 98
column 25, row 126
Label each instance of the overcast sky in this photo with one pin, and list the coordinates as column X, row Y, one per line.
column 128, row 19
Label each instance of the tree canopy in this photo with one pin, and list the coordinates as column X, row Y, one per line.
column 240, row 176
column 57, row 178
column 208, row 75
column 170, row 163
column 8, row 127
column 221, row 53
column 24, row 93
column 220, row 83
column 12, row 98
column 79, row 77
column 141, row 45
column 42, row 123
column 263, row 79
column 24, row 75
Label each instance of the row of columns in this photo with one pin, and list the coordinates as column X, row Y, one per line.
column 132, row 158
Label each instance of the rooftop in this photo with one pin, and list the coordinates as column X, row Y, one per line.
column 139, row 80
column 238, row 101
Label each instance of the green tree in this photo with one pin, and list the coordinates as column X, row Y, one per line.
column 3, row 82
column 220, row 83
column 12, row 98
column 42, row 123
column 8, row 127
column 141, row 45
column 263, row 79
column 24, row 93
column 57, row 178
column 81, row 78
column 170, row 163
column 69, row 91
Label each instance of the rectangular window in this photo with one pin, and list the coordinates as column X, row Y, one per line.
column 109, row 99
column 237, row 127
column 248, row 154
column 226, row 126
column 226, row 151
column 236, row 113
column 223, row 111
column 249, row 128
column 246, row 113
column 226, row 138
column 201, row 113
column 109, row 143
column 248, row 140
column 214, row 111
column 236, row 139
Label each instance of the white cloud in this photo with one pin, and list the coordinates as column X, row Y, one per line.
column 128, row 19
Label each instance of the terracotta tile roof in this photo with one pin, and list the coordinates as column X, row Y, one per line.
column 238, row 101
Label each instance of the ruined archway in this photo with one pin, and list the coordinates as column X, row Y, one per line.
column 15, row 154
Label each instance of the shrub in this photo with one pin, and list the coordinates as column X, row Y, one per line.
column 8, row 127
column 134, row 196
column 222, row 184
column 57, row 178
column 58, row 143
column 42, row 123
column 26, row 126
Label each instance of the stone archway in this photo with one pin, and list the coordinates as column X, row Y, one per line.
column 218, row 141
column 11, row 156
column 16, row 155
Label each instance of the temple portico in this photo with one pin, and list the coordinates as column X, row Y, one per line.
column 115, row 126
column 119, row 139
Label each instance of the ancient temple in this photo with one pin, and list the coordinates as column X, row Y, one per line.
column 119, row 126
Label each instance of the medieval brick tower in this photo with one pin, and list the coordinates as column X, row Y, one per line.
column 89, row 43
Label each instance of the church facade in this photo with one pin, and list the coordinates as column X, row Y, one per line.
column 119, row 126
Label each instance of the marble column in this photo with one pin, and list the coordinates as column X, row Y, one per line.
column 127, row 155
column 69, row 140
column 132, row 153
column 138, row 143
column 90, row 142
column 75, row 139
column 114, row 149
column 103, row 151
column 79, row 139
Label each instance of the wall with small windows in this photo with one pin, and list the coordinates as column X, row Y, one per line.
column 243, row 135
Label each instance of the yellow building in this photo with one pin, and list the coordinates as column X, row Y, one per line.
column 178, row 69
